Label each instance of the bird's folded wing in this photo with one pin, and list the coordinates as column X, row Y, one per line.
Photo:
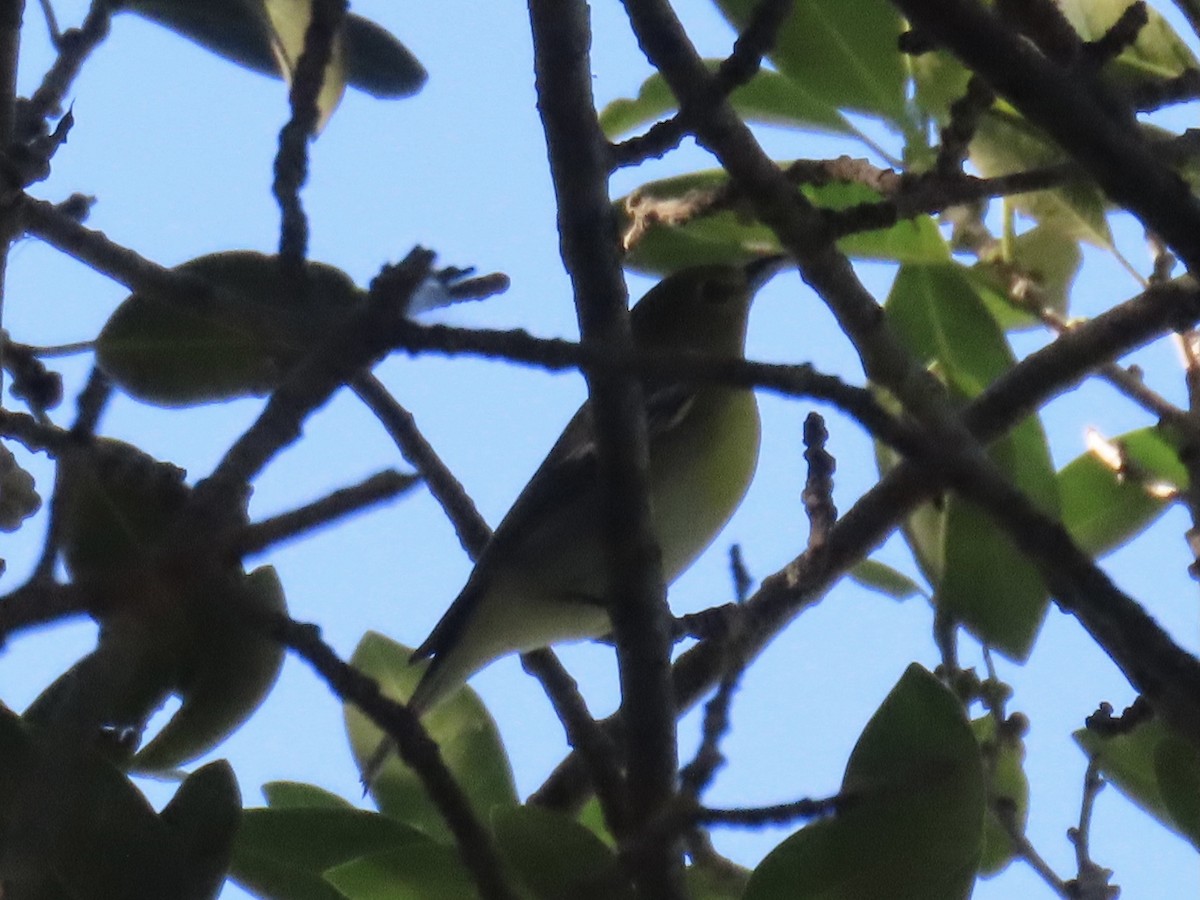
column 561, row 483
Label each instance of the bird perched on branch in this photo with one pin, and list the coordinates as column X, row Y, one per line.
column 543, row 577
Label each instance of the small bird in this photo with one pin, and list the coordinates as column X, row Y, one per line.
column 543, row 576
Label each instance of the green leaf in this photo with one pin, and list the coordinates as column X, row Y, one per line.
column 288, row 22
column 115, row 502
column 591, row 817
column 168, row 624
column 203, row 819
column 1005, row 771
column 915, row 240
column 940, row 80
column 1042, row 259
column 939, row 317
column 670, row 224
column 1177, row 765
column 716, row 882
column 75, row 826
column 298, row 795
column 1156, row 769
column 842, row 52
column 978, row 574
column 883, row 578
column 423, row 871
column 231, row 669
column 313, row 839
column 1159, row 52
column 1101, row 508
column 376, row 62
column 166, row 354
column 556, row 857
column 914, row 825
column 269, row 880
column 469, row 741
column 1004, row 144
column 768, row 97
column 1006, row 608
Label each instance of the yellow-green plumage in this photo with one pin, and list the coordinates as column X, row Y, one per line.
column 543, row 577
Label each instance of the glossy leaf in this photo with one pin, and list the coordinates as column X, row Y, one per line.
column 112, row 691
column 424, row 871
column 469, row 742
column 716, row 882
column 1004, row 766
column 591, row 817
column 166, row 354
column 203, row 819
column 75, row 826
column 939, row 80
column 1103, row 509
column 556, row 858
column 228, row 674
column 115, row 503
column 769, row 98
column 168, row 624
column 298, row 795
column 269, row 880
column 1158, row 52
column 938, row 315
column 1177, row 765
column 376, row 62
column 842, row 52
column 283, row 852
column 668, row 226
column 1043, row 262
column 1156, row 769
column 1004, row 144
column 883, row 578
column 914, row 828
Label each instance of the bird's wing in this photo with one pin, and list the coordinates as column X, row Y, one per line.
column 561, row 482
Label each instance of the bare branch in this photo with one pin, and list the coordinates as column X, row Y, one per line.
column 579, row 167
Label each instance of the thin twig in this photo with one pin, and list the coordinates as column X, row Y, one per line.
column 1092, row 881
column 742, row 580
column 74, row 47
column 417, row 749
column 379, row 488
column 39, row 602
column 291, row 160
column 473, row 532
column 779, row 814
column 817, row 495
column 742, row 64
column 599, row 752
column 355, row 346
column 1025, row 850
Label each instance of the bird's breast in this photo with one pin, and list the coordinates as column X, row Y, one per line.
column 701, row 473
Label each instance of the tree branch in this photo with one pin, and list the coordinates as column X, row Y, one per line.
column 579, row 165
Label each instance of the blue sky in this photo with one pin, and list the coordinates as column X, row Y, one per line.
column 177, row 145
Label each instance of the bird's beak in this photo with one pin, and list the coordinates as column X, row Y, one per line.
column 763, row 269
